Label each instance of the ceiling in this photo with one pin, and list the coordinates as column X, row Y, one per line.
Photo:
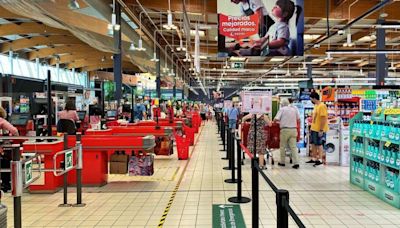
column 78, row 38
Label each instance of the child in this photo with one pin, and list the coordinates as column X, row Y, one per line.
column 277, row 40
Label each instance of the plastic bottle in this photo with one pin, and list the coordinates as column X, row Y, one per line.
column 392, row 158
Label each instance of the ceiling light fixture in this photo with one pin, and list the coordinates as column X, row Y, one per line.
column 362, row 52
column 154, row 59
column 348, row 43
column 170, row 25
column 73, row 5
column 132, row 47
column 113, row 25
column 181, row 47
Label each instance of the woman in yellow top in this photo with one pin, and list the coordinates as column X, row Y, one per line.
column 319, row 127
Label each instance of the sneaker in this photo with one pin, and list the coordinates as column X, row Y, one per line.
column 281, row 164
column 311, row 161
column 296, row 166
column 263, row 167
column 317, row 163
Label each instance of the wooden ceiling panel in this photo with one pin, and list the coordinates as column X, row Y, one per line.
column 38, row 41
column 30, row 27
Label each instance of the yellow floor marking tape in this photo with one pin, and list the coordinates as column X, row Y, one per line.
column 171, row 199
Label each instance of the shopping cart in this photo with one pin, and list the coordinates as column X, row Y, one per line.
column 272, row 139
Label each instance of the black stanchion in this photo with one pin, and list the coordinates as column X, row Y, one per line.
column 65, row 177
column 79, row 167
column 254, row 174
column 239, row 198
column 232, row 158
column 223, row 136
column 228, row 148
column 17, row 186
column 282, row 217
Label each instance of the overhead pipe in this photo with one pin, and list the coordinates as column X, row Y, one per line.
column 348, row 25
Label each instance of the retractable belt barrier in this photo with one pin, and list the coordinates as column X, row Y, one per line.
column 22, row 170
column 282, row 195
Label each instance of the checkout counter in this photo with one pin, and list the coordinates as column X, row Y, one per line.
column 96, row 152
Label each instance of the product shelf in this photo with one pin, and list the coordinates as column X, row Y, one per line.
column 390, row 196
column 367, row 148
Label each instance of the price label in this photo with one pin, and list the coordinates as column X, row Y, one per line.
column 392, row 111
column 388, row 143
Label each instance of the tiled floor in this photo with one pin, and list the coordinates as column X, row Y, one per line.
column 323, row 196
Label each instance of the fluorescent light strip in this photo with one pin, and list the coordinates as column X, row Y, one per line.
column 362, row 52
column 280, row 84
column 287, row 79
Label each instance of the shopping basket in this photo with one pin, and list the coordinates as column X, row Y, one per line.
column 182, row 146
column 189, row 132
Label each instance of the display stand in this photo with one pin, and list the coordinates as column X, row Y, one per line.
column 375, row 157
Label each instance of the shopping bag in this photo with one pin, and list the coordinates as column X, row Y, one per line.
column 141, row 165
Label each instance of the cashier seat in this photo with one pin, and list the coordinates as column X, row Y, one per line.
column 66, row 126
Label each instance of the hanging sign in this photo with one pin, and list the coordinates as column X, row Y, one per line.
column 257, row 101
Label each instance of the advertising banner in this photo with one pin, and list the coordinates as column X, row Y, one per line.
column 257, row 101
column 260, row 28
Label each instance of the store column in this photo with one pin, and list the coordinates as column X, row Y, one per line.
column 381, row 67
column 117, row 63
column 158, row 72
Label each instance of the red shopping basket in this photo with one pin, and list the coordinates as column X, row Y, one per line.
column 189, row 132
column 182, row 146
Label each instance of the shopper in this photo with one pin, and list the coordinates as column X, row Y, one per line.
column 5, row 125
column 319, row 127
column 260, row 141
column 140, row 110
column 233, row 116
column 69, row 112
column 288, row 116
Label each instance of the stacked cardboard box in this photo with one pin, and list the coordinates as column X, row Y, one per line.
column 119, row 163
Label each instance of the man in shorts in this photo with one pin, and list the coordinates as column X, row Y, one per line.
column 319, row 127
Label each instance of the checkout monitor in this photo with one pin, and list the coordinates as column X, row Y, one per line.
column 81, row 115
column 112, row 113
column 20, row 119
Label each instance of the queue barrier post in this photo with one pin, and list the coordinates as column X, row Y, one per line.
column 254, row 192
column 282, row 216
column 228, row 149
column 65, row 176
column 17, row 184
column 79, row 166
column 231, row 156
column 239, row 198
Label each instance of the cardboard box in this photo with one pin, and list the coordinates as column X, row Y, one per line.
column 119, row 163
column 118, row 167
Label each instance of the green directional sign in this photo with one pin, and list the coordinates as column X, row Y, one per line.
column 237, row 65
column 227, row 216
column 28, row 171
column 68, row 160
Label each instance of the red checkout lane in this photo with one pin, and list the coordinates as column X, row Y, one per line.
column 95, row 155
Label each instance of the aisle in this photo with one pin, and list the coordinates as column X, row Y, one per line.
column 323, row 196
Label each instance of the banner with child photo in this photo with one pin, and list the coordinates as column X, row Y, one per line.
column 260, row 28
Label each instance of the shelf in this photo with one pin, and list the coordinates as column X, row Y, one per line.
column 373, row 187
column 391, row 166
column 390, row 196
column 372, row 159
column 358, row 155
column 357, row 179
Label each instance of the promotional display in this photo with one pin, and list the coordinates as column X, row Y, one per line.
column 260, row 28
column 256, row 101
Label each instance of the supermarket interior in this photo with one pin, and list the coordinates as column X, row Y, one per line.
column 200, row 113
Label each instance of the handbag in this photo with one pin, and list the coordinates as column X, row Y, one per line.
column 141, row 165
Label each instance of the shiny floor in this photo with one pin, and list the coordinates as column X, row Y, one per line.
column 323, row 196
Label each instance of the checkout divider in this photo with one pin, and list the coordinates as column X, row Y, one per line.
column 22, row 170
